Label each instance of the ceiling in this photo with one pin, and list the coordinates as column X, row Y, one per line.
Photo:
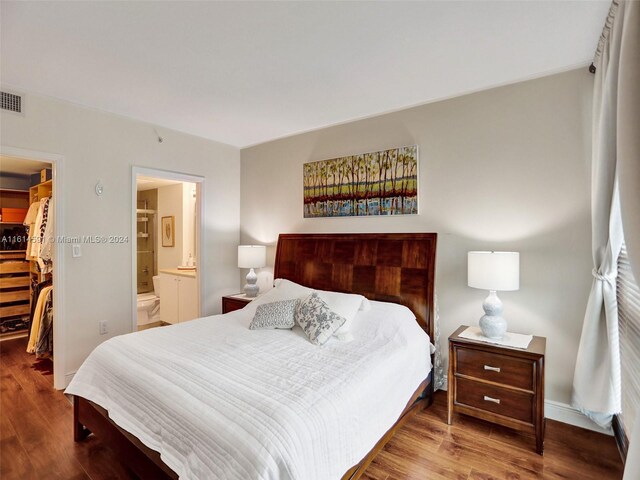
column 244, row 73
column 15, row 166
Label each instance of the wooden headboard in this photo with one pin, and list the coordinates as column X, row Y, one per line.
column 390, row 267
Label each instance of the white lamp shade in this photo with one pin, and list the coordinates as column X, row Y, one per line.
column 252, row 256
column 498, row 271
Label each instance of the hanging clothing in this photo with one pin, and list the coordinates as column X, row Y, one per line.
column 29, row 222
column 32, row 213
column 41, row 225
column 36, row 232
column 44, row 346
column 36, row 289
column 46, row 248
column 36, row 321
column 33, row 236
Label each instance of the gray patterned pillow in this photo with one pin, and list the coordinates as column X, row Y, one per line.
column 275, row 315
column 316, row 319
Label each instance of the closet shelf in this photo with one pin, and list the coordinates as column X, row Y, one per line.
column 143, row 219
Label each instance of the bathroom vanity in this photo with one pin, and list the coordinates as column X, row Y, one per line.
column 178, row 295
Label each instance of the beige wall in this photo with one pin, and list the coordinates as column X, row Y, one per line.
column 504, row 169
column 99, row 146
column 188, row 221
column 177, row 201
column 170, row 204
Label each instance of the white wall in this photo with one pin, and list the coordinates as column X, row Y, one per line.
column 504, row 169
column 170, row 204
column 99, row 146
column 177, row 201
column 188, row 221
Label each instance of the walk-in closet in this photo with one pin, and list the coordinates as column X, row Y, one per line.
column 27, row 225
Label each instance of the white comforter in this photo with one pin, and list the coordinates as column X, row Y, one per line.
column 220, row 401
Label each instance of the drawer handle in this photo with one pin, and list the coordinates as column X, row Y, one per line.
column 493, row 369
column 490, row 399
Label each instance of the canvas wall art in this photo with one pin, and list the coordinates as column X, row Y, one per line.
column 375, row 183
column 168, row 231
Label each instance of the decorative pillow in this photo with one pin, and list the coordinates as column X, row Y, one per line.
column 275, row 315
column 318, row 322
column 346, row 305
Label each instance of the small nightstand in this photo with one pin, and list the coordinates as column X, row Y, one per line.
column 499, row 384
column 235, row 302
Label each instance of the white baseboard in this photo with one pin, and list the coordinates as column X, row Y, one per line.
column 565, row 413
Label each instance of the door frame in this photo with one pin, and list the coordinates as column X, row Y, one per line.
column 200, row 254
column 59, row 325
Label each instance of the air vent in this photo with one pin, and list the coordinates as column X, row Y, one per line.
column 11, row 102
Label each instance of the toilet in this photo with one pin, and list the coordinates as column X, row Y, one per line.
column 149, row 304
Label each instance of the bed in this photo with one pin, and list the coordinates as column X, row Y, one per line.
column 390, row 268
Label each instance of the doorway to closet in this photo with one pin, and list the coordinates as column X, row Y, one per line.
column 28, row 258
column 166, row 253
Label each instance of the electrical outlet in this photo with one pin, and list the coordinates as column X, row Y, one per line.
column 104, row 327
column 75, row 251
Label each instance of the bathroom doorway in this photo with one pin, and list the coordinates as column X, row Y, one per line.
column 167, row 215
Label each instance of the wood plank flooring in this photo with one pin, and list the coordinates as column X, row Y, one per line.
column 36, row 440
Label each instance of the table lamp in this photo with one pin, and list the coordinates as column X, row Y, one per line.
column 493, row 271
column 252, row 256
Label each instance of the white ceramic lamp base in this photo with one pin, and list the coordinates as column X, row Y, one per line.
column 492, row 324
column 251, row 289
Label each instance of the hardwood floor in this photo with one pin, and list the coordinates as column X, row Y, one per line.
column 36, row 440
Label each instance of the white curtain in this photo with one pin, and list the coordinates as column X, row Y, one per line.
column 629, row 132
column 596, row 382
column 628, row 146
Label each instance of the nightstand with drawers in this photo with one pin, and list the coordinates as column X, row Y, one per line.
column 235, row 302
column 500, row 384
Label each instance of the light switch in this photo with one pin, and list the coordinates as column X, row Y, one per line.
column 75, row 251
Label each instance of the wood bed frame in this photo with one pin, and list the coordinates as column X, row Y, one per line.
column 390, row 267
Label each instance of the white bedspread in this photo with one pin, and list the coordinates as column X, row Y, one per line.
column 220, row 401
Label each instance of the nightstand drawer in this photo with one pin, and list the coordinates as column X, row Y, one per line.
column 495, row 367
column 508, row 403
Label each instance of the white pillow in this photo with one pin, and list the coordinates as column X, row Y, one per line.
column 284, row 290
column 346, row 305
column 364, row 306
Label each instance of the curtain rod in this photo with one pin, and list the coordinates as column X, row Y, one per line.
column 604, row 36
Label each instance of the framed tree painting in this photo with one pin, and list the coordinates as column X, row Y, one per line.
column 168, row 231
column 375, row 183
